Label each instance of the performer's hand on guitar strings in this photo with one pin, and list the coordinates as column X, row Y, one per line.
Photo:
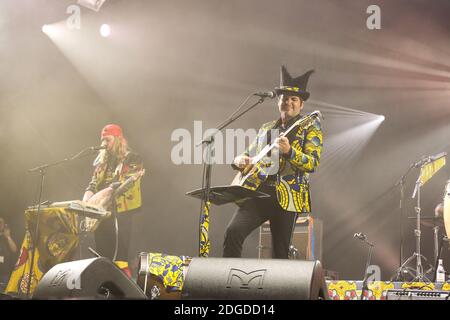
column 242, row 161
column 283, row 144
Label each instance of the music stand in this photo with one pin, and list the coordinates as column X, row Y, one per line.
column 207, row 168
column 218, row 195
column 225, row 194
column 428, row 167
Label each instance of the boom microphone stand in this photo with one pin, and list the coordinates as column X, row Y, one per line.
column 207, row 166
column 401, row 183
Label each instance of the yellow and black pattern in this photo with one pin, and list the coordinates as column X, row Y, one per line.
column 300, row 199
column 418, row 285
column 282, row 194
column 307, row 158
column 293, row 171
column 168, row 269
column 204, row 231
column 259, row 175
column 377, row 290
column 104, row 175
column 57, row 241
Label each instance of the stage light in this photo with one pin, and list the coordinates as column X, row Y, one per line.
column 382, row 118
column 105, row 30
column 45, row 28
column 91, row 4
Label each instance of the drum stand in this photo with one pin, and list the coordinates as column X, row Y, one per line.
column 419, row 274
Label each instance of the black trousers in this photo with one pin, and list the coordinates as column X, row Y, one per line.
column 105, row 236
column 252, row 214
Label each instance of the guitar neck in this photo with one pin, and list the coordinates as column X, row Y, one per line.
column 267, row 148
column 125, row 185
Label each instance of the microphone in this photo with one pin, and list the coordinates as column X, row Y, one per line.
column 101, row 147
column 268, row 94
column 360, row 236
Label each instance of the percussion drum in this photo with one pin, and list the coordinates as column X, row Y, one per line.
column 161, row 276
column 447, row 208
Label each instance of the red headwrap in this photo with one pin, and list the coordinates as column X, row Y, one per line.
column 112, row 130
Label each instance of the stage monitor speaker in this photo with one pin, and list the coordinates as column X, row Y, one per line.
column 263, row 279
column 96, row 278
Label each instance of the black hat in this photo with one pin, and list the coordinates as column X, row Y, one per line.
column 293, row 86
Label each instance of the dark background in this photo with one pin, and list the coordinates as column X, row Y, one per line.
column 168, row 63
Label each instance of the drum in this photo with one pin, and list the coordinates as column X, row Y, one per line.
column 161, row 276
column 447, row 208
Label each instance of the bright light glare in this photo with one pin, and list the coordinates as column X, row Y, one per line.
column 46, row 28
column 105, row 30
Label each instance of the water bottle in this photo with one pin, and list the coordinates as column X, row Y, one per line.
column 440, row 272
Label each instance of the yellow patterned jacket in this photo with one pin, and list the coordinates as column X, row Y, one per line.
column 292, row 177
column 104, row 176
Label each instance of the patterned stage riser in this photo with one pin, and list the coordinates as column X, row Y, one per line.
column 351, row 290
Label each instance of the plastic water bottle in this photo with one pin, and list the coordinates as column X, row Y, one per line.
column 440, row 272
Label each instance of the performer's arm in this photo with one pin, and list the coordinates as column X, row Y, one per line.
column 11, row 244
column 243, row 160
column 133, row 164
column 92, row 187
column 306, row 158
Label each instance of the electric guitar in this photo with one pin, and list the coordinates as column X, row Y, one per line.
column 248, row 177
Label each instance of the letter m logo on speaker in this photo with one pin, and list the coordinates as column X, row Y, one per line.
column 67, row 278
column 246, row 280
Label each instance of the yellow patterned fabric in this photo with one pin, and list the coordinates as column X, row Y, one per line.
column 103, row 176
column 342, row 290
column 131, row 199
column 18, row 282
column 292, row 183
column 418, row 285
column 204, row 231
column 377, row 290
column 168, row 269
column 58, row 238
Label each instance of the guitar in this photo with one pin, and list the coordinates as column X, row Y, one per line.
column 104, row 197
column 446, row 209
column 248, row 177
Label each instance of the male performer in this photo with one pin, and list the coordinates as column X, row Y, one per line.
column 289, row 187
column 114, row 165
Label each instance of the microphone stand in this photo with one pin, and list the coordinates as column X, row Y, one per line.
column 42, row 171
column 365, row 286
column 401, row 183
column 207, row 168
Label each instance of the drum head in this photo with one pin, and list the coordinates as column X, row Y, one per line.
column 447, row 210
